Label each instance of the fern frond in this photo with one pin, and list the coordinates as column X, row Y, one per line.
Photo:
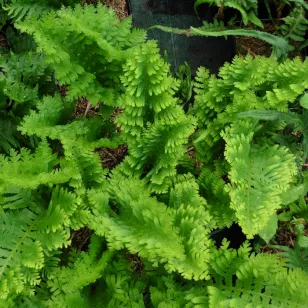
column 79, row 139
column 152, row 118
column 254, row 285
column 29, row 170
column 27, row 235
column 295, row 25
column 258, row 176
column 213, row 188
column 19, row 9
column 23, row 75
column 280, row 45
column 263, row 82
column 84, row 270
column 94, row 70
column 8, row 135
column 176, row 236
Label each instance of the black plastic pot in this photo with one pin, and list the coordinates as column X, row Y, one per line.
column 196, row 51
column 233, row 234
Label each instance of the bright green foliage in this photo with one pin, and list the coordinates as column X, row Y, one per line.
column 213, row 188
column 152, row 118
column 18, row 9
column 258, row 175
column 239, row 280
column 119, row 286
column 115, row 285
column 253, row 284
column 29, row 170
column 152, row 216
column 85, row 269
column 173, row 235
column 30, row 230
column 79, row 139
column 261, row 165
column 86, row 47
column 245, row 84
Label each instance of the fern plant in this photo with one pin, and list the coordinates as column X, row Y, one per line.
column 239, row 279
column 296, row 257
column 247, row 8
column 258, row 175
column 219, row 103
column 31, row 231
column 152, row 220
column 263, row 82
column 152, row 117
column 91, row 71
column 295, row 24
column 176, row 235
column 19, row 9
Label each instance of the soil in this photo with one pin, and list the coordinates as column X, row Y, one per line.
column 119, row 6
column 112, row 157
column 85, row 109
column 81, row 239
column 285, row 236
column 3, row 41
column 137, row 264
column 255, row 47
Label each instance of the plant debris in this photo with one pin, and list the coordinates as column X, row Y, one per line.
column 112, row 157
column 80, row 239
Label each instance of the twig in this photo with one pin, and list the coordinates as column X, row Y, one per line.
column 87, row 109
column 249, row 51
column 84, row 241
column 106, row 152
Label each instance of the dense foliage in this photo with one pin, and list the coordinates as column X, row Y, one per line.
column 149, row 218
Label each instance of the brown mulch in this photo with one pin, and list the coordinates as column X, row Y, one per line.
column 137, row 264
column 285, row 236
column 112, row 157
column 255, row 47
column 85, row 109
column 119, row 6
column 3, row 41
column 81, row 239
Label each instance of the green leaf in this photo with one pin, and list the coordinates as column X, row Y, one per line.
column 271, row 115
column 294, row 193
column 303, row 241
column 304, row 101
column 255, row 20
column 269, row 231
column 285, row 216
